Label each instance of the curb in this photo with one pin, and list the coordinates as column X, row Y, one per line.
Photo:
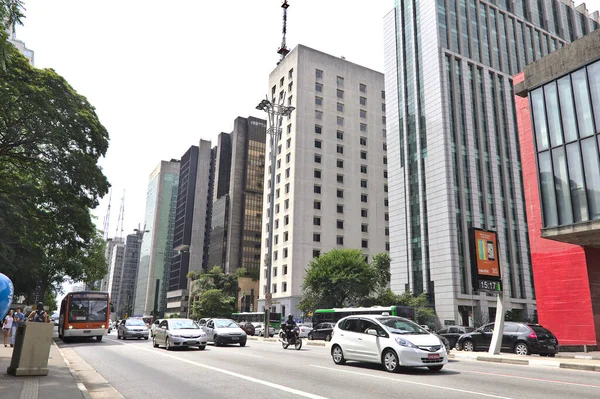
column 310, row 343
column 527, row 362
column 80, row 385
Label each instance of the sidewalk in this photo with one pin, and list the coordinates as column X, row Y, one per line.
column 58, row 384
column 575, row 361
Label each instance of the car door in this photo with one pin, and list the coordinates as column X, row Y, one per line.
column 485, row 337
column 317, row 331
column 509, row 336
column 348, row 337
column 209, row 329
column 367, row 345
column 161, row 332
column 451, row 335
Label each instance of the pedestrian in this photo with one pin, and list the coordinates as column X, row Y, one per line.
column 19, row 317
column 39, row 315
column 7, row 326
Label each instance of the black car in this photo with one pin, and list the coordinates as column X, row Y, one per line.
column 322, row 331
column 520, row 338
column 451, row 333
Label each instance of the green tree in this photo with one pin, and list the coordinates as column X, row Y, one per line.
column 213, row 303
column 50, row 144
column 206, row 301
column 340, row 277
column 381, row 264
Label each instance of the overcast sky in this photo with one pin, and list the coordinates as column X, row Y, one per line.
column 164, row 74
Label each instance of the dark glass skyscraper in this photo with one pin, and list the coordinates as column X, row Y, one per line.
column 454, row 159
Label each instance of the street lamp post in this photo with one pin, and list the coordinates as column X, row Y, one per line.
column 275, row 112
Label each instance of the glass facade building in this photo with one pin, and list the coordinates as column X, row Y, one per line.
column 454, row 157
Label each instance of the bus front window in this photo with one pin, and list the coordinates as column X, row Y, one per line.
column 87, row 310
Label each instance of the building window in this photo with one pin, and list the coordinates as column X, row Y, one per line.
column 287, row 188
column 363, row 113
column 362, row 88
column 340, row 240
column 290, row 87
column 385, row 160
column 340, row 81
column 364, row 198
column 291, row 74
column 385, row 174
column 276, row 239
column 340, row 93
column 387, row 231
column 285, row 269
column 281, row 82
column 383, row 120
column 366, row 258
column 316, row 221
column 340, row 208
column 273, row 90
column 318, row 114
column 274, row 288
column 285, row 238
column 363, row 141
column 316, row 237
column 283, row 289
column 382, row 94
column 363, row 183
column 386, row 202
column 289, row 129
column 340, row 163
column 340, row 135
column 317, row 189
column 364, row 213
column 287, row 173
column 363, row 168
column 340, row 178
column 363, row 155
column 318, row 129
column 363, row 127
column 279, row 149
column 288, row 143
column 316, row 253
column 277, row 208
column 340, row 107
column 288, row 157
column 384, row 132
column 318, row 74
column 385, row 188
column 278, row 165
column 277, row 193
column 318, row 143
column 317, row 158
column 384, row 147
column 290, row 97
column 340, row 224
column 364, row 228
column 340, row 149
column 340, row 193
column 319, row 87
column 286, row 220
column 316, row 204
column 365, row 243
column 275, row 255
column 317, row 174
column 387, row 246
column 340, row 121
column 318, row 100
column 276, row 223
column 363, row 101
column 387, row 217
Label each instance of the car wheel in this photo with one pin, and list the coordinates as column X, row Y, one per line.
column 468, row 346
column 390, row 361
column 201, row 347
column 168, row 344
column 243, row 343
column 154, row 344
column 310, row 337
column 327, row 337
column 435, row 368
column 337, row 355
column 552, row 354
column 99, row 338
column 216, row 340
column 146, row 338
column 521, row 349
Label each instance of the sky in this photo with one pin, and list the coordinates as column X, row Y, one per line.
column 163, row 75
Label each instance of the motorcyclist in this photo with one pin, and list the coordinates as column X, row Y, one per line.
column 290, row 325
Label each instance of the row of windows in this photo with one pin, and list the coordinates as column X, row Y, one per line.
column 274, row 287
column 364, row 228
column 340, row 136
column 340, row 120
column 340, row 107
column 340, row 82
column 318, row 173
column 317, row 204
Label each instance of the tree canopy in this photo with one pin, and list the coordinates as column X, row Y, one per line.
column 216, row 293
column 50, row 142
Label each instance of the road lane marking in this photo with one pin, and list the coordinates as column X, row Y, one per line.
column 412, row 382
column 532, row 378
column 231, row 373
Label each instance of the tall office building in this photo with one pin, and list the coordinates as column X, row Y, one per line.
column 331, row 168
column 20, row 45
column 116, row 270
column 157, row 244
column 452, row 138
column 128, row 281
column 111, row 243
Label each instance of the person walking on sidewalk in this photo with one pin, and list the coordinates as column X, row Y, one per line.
column 39, row 315
column 19, row 317
column 7, row 326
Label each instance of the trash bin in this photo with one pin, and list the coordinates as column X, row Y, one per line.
column 32, row 349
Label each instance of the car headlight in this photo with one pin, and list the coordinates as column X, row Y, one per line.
column 70, row 327
column 176, row 335
column 404, row 342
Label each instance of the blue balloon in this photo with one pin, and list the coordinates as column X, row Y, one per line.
column 7, row 290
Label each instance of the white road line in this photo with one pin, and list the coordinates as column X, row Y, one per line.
column 231, row 373
column 411, row 382
column 531, row 378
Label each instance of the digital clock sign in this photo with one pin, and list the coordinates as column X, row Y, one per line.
column 485, row 260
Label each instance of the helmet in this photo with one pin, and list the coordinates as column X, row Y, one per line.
column 291, row 318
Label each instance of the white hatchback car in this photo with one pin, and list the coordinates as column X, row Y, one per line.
column 392, row 341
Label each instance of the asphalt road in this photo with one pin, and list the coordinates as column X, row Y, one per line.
column 265, row 370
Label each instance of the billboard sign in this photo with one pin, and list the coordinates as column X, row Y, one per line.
column 485, row 260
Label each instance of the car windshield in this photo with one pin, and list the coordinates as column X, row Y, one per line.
column 398, row 325
column 182, row 324
column 134, row 322
column 225, row 324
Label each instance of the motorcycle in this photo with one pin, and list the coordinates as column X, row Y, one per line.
column 291, row 338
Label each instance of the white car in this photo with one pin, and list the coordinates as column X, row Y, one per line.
column 173, row 333
column 304, row 330
column 224, row 331
column 154, row 326
column 391, row 341
column 259, row 329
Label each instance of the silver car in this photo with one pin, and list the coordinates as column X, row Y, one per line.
column 224, row 331
column 132, row 328
column 173, row 333
column 154, row 326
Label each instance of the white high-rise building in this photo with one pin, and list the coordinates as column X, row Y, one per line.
column 331, row 177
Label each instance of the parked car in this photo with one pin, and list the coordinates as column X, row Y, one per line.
column 520, row 338
column 321, row 331
column 304, row 329
column 132, row 328
column 259, row 329
column 248, row 328
column 392, row 341
column 451, row 333
column 154, row 326
column 224, row 331
column 173, row 333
